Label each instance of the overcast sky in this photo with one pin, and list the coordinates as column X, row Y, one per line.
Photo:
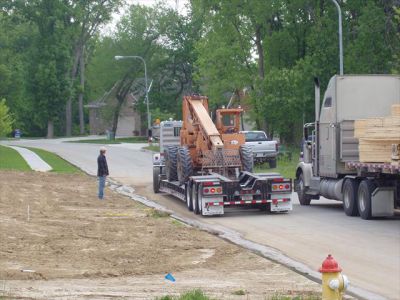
column 176, row 4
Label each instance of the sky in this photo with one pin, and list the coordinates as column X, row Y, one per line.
column 176, row 4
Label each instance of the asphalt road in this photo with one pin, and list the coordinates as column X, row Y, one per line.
column 367, row 251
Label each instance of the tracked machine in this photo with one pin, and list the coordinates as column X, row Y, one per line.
column 209, row 166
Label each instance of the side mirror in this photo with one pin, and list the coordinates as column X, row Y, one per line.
column 305, row 133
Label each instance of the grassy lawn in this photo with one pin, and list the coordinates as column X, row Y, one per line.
column 199, row 295
column 11, row 160
column 155, row 148
column 58, row 164
column 286, row 164
column 192, row 295
column 135, row 139
column 286, row 168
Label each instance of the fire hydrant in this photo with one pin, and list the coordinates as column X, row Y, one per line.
column 334, row 283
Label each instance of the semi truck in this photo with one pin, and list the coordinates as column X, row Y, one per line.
column 331, row 165
column 209, row 167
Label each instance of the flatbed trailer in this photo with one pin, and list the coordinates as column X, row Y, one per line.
column 210, row 194
column 209, row 189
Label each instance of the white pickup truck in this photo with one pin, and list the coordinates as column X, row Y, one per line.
column 264, row 150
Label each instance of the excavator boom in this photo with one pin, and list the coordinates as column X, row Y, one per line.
column 205, row 122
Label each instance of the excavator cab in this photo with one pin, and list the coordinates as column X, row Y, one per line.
column 228, row 125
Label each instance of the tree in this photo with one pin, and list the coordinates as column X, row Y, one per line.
column 16, row 38
column 6, row 121
column 88, row 17
column 165, row 40
column 50, row 83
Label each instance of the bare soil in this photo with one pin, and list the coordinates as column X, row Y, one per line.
column 58, row 241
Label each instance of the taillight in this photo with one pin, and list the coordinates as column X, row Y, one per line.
column 280, row 187
column 213, row 190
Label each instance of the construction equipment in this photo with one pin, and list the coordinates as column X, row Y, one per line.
column 351, row 156
column 212, row 167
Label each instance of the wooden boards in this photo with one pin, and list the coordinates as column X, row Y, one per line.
column 379, row 137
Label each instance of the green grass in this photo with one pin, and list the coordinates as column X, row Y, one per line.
column 135, row 139
column 192, row 295
column 286, row 164
column 155, row 213
column 154, row 148
column 10, row 159
column 58, row 164
column 239, row 293
column 304, row 297
column 286, row 168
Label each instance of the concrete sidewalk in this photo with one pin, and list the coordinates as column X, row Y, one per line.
column 33, row 160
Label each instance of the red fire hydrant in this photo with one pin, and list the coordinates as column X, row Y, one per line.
column 333, row 282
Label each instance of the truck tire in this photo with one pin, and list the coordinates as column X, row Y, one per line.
column 156, row 179
column 272, row 163
column 188, row 196
column 170, row 163
column 246, row 157
column 195, row 202
column 304, row 199
column 364, row 198
column 184, row 165
column 350, row 188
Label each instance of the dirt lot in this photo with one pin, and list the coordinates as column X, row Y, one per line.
column 58, row 241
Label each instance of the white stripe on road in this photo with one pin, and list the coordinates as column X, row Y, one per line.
column 33, row 160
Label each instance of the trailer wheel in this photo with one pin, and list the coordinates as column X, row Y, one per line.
column 272, row 163
column 156, row 179
column 364, row 198
column 188, row 195
column 170, row 163
column 304, row 199
column 195, row 202
column 246, row 156
column 350, row 188
column 184, row 164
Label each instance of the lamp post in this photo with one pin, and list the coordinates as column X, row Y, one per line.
column 118, row 57
column 340, row 37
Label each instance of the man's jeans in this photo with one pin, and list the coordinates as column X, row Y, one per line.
column 102, row 183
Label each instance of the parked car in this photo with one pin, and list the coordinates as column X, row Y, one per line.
column 264, row 149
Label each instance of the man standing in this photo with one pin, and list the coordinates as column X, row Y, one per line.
column 102, row 171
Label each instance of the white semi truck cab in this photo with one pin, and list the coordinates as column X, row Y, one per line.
column 331, row 167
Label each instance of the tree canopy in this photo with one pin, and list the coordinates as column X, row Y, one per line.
column 261, row 53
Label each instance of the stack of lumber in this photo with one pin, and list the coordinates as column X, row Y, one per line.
column 379, row 138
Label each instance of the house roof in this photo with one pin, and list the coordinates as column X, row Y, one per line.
column 108, row 95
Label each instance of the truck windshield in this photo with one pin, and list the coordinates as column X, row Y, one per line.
column 255, row 137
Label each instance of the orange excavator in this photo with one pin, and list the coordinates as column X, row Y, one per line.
column 207, row 147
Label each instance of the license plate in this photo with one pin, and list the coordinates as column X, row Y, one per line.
column 281, row 206
column 247, row 197
column 260, row 155
column 213, row 210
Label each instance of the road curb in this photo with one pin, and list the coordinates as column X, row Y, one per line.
column 235, row 238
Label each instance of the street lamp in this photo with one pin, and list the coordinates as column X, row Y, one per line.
column 118, row 57
column 340, row 37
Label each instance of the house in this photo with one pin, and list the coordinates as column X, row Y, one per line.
column 101, row 115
